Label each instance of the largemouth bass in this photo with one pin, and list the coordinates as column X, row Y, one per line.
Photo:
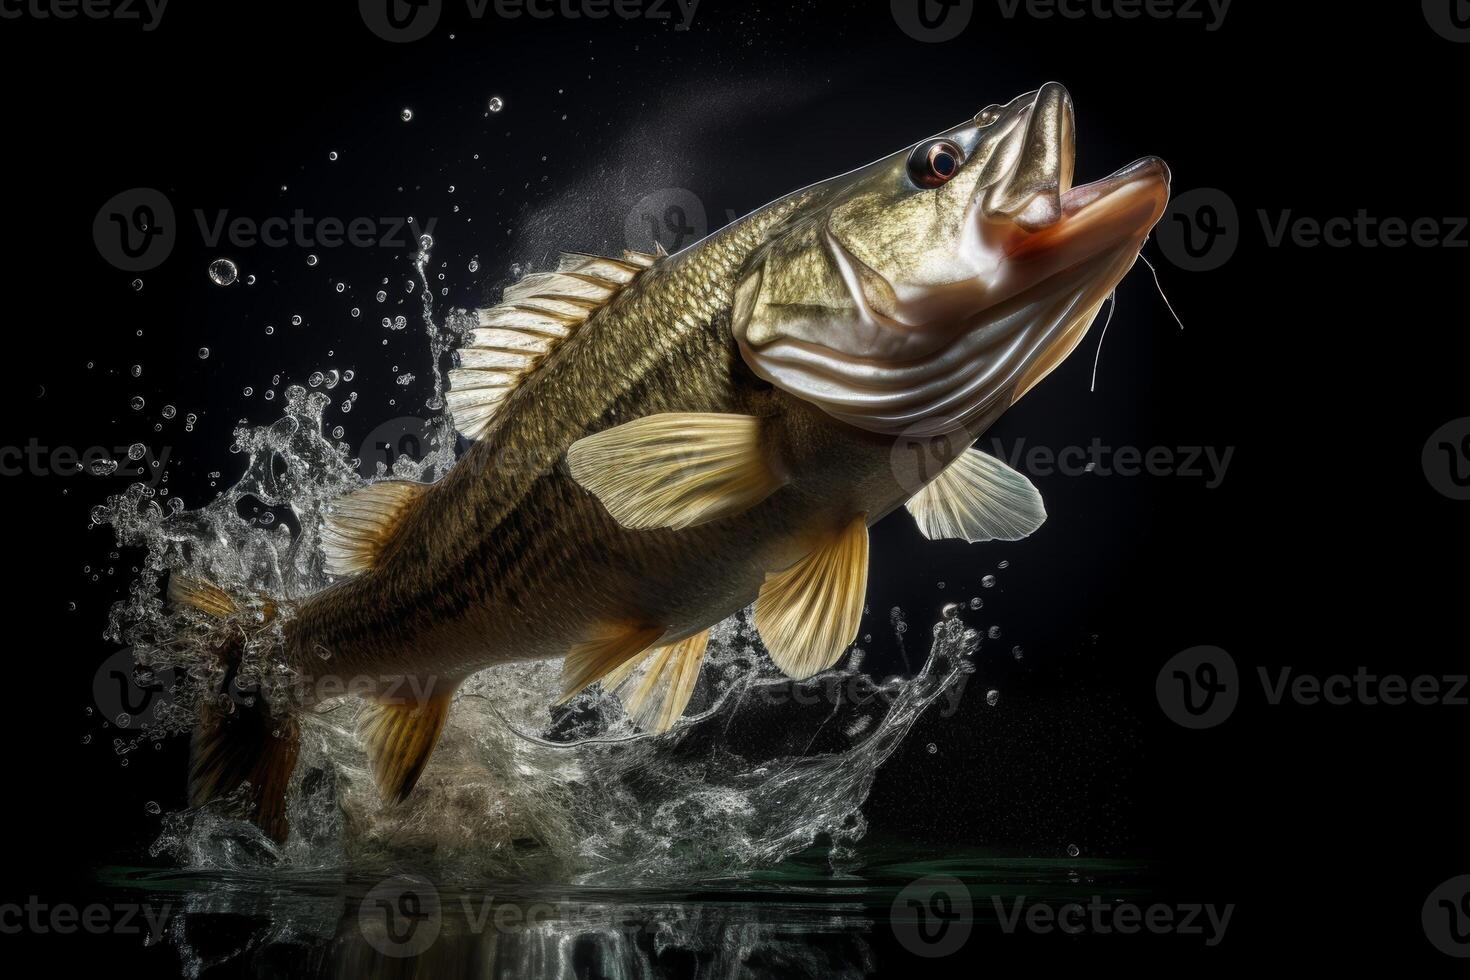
column 661, row 440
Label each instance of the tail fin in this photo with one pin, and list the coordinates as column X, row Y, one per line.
column 246, row 744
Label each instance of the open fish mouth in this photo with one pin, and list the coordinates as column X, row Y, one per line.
column 1047, row 225
column 1100, row 216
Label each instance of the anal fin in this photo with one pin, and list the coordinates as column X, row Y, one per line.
column 807, row 614
column 656, row 687
column 601, row 655
column 399, row 736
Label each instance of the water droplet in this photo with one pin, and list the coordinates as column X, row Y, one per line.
column 993, row 632
column 976, row 602
column 932, row 748
column 381, row 296
column 951, row 610
column 992, row 697
column 295, row 319
column 1017, row 652
column 474, row 265
column 204, row 353
column 153, row 808
column 135, row 451
column 988, row 582
column 496, row 104
column 406, row 115
column 1073, row 850
column 1003, row 564
column 137, row 285
column 137, row 403
column 223, row 272
column 332, row 155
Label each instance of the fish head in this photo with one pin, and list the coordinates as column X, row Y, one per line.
column 933, row 288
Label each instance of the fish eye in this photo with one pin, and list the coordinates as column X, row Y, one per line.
column 933, row 163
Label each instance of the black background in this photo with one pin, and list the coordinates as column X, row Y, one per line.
column 1324, row 370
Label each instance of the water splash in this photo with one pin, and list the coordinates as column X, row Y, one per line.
column 763, row 768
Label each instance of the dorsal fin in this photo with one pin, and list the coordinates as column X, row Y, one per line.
column 533, row 317
column 358, row 524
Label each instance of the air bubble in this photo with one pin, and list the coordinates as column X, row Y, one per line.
column 223, row 272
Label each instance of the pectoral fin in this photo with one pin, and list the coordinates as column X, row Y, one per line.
column 809, row 613
column 400, row 734
column 676, row 469
column 978, row 498
column 656, row 687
